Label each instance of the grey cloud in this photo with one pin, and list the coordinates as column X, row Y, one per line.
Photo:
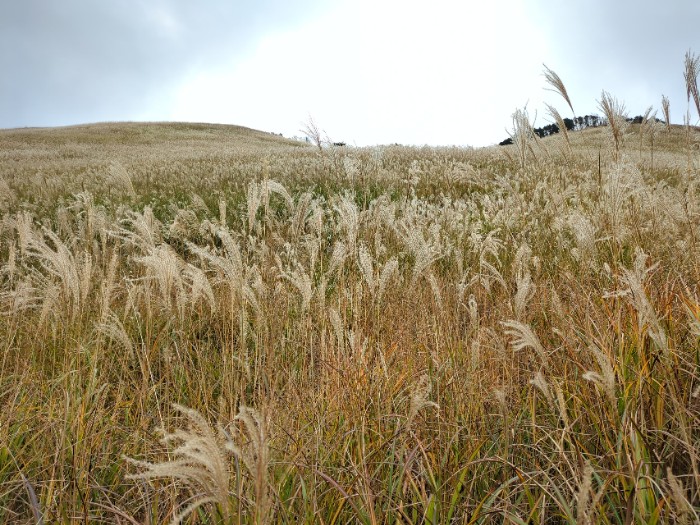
column 81, row 60
column 630, row 48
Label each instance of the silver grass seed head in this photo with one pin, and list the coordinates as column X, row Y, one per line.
column 389, row 272
column 523, row 337
column 539, row 382
column 682, row 508
column 365, row 262
column 420, row 398
column 200, row 461
column 583, row 495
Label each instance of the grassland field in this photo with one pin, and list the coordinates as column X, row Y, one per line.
column 210, row 324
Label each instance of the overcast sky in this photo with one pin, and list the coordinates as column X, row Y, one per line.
column 368, row 71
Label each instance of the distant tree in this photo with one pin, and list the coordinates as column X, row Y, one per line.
column 575, row 124
column 587, row 121
column 546, row 131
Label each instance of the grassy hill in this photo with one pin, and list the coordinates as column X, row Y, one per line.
column 119, row 135
column 89, row 147
column 218, row 317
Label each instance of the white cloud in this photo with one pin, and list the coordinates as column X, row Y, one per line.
column 379, row 72
column 163, row 21
column 369, row 71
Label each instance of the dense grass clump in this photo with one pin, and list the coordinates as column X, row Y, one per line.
column 213, row 325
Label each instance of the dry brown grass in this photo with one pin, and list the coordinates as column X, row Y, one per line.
column 423, row 335
column 557, row 85
column 690, row 74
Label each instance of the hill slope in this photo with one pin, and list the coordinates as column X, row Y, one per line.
column 128, row 140
column 73, row 159
column 143, row 133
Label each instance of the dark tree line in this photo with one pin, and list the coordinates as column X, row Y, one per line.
column 576, row 124
column 639, row 119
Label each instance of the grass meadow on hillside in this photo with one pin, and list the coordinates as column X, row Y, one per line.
column 215, row 325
